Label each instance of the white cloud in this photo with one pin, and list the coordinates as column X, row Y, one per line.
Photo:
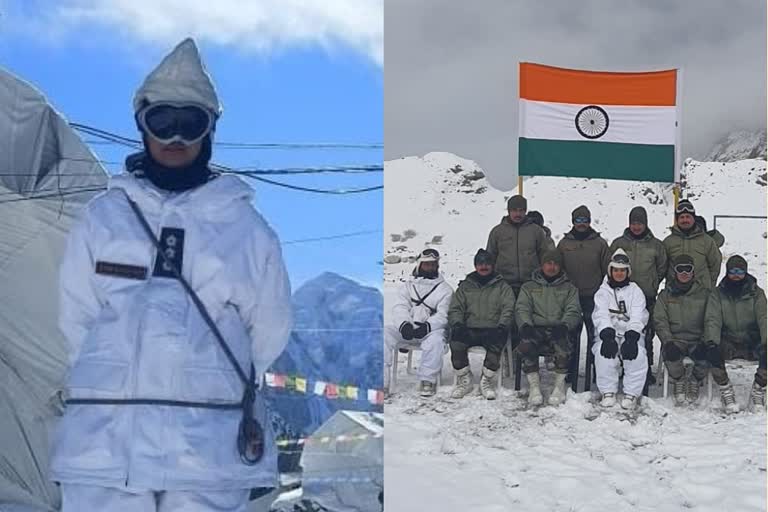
column 262, row 26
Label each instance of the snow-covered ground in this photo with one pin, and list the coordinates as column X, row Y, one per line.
column 471, row 454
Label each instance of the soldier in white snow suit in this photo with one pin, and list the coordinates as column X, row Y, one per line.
column 154, row 401
column 420, row 317
column 620, row 318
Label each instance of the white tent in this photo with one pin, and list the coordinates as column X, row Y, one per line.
column 46, row 175
column 343, row 462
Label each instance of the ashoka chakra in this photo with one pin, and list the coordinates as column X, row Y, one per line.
column 592, row 122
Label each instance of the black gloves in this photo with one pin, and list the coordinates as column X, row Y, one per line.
column 406, row 331
column 629, row 347
column 422, row 329
column 502, row 331
column 708, row 351
column 609, row 347
column 459, row 332
column 560, row 331
column 527, row 332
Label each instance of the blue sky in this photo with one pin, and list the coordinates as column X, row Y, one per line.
column 285, row 73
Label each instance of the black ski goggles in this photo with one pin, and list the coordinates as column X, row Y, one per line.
column 685, row 208
column 684, row 268
column 166, row 122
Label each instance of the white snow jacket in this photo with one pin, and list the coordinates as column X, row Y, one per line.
column 434, row 309
column 134, row 337
column 608, row 304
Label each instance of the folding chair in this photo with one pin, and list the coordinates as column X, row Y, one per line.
column 481, row 350
column 411, row 348
column 687, row 363
column 518, row 370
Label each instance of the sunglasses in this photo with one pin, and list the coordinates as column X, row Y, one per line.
column 684, row 268
column 582, row 220
column 176, row 122
column 737, row 271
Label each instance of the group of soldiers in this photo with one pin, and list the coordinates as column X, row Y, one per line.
column 541, row 296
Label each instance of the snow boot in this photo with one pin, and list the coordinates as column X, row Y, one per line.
column 629, row 402
column 488, row 384
column 728, row 398
column 534, row 389
column 609, row 400
column 678, row 390
column 757, row 397
column 692, row 389
column 427, row 388
column 558, row 391
column 463, row 385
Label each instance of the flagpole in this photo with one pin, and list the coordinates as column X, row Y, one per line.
column 678, row 138
column 520, row 185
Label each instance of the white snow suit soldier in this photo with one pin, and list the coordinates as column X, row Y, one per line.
column 154, row 402
column 619, row 318
column 420, row 318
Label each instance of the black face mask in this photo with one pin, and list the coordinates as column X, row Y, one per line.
column 641, row 235
column 553, row 278
column 427, row 275
column 680, row 288
column 177, row 179
column 617, row 284
column 483, row 280
column 733, row 287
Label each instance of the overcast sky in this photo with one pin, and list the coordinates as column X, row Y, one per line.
column 451, row 80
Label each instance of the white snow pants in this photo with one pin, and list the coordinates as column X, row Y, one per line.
column 432, row 350
column 91, row 498
column 607, row 370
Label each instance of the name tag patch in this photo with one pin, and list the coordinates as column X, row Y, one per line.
column 172, row 245
column 107, row 268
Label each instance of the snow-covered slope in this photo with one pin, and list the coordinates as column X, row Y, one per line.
column 442, row 201
column 496, row 456
column 741, row 145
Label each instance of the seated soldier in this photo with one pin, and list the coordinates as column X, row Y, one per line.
column 481, row 315
column 619, row 317
column 420, row 317
column 739, row 323
column 546, row 310
column 679, row 319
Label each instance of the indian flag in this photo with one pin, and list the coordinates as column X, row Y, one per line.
column 595, row 124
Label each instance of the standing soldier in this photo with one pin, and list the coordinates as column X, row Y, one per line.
column 689, row 238
column 517, row 243
column 649, row 266
column 585, row 258
column 538, row 219
column 739, row 321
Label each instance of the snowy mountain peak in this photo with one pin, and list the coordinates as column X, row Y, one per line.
column 739, row 145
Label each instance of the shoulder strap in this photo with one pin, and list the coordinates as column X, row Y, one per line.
column 421, row 299
column 198, row 303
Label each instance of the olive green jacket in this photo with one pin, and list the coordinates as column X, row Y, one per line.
column 482, row 306
column 518, row 249
column 687, row 317
column 544, row 304
column 585, row 261
column 701, row 247
column 648, row 259
column 741, row 317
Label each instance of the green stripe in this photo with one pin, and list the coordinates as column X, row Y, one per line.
column 588, row 159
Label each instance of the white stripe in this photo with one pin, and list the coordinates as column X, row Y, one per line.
column 627, row 124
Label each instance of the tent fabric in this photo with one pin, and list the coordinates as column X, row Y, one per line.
column 47, row 174
column 343, row 462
